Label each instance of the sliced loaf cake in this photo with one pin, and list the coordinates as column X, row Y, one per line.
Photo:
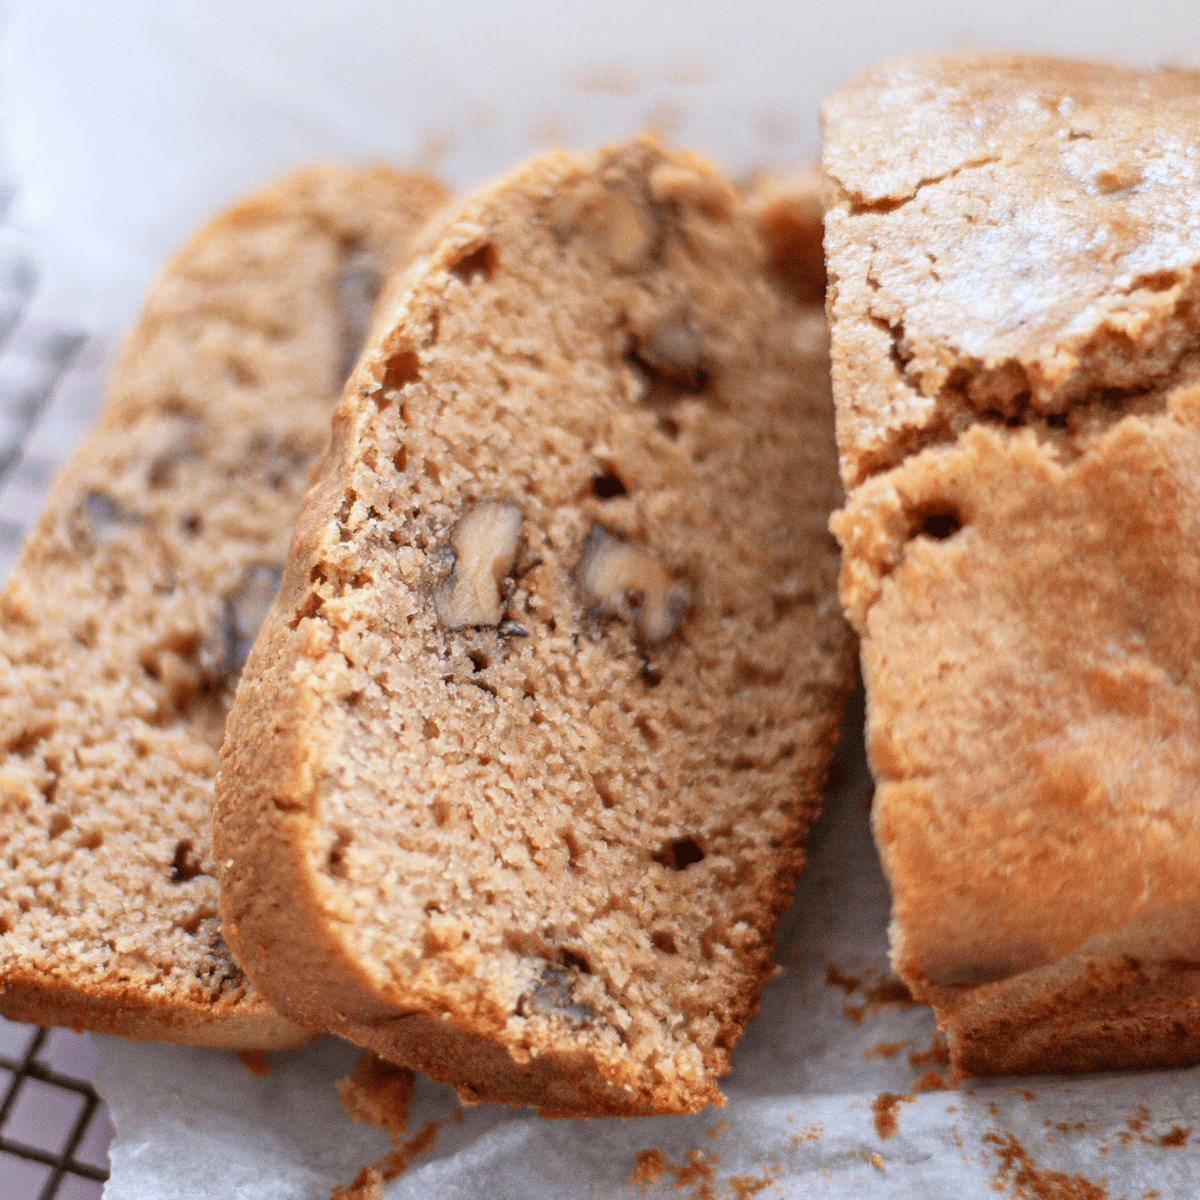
column 129, row 615
column 519, row 772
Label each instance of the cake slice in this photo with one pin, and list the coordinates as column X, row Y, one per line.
column 519, row 771
column 1014, row 259
column 129, row 614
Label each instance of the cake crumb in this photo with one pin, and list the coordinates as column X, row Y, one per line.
column 877, row 1161
column 938, row 1052
column 887, row 990
column 1026, row 1180
column 810, row 1133
column 377, row 1093
column 1175, row 1136
column 931, row 1081
column 744, row 1186
column 835, row 978
column 884, row 1108
column 652, row 1164
column 367, row 1185
column 255, row 1061
column 886, row 1049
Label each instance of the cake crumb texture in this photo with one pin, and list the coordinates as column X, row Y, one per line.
column 130, row 612
column 540, row 853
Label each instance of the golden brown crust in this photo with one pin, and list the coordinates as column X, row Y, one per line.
column 543, row 860
column 1021, row 548
column 127, row 616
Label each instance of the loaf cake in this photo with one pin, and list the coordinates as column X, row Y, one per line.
column 518, row 774
column 129, row 614
column 1014, row 258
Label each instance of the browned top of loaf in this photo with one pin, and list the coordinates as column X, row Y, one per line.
column 554, row 841
column 126, row 618
column 1010, row 239
column 1013, row 259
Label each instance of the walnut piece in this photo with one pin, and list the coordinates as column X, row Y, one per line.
column 612, row 569
column 485, row 548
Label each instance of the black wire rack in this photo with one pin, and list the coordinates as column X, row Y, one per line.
column 54, row 1129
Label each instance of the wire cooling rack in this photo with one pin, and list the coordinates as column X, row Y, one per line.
column 54, row 1131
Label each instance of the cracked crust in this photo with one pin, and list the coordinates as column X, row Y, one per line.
column 1014, row 369
column 542, row 858
column 128, row 615
column 1035, row 260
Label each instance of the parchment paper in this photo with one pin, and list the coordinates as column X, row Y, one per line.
column 124, row 125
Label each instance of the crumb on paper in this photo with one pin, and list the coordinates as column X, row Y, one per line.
column 718, row 1129
column 884, row 1108
column 810, row 1133
column 399, row 1160
column 1021, row 1175
column 887, row 989
column 744, row 1186
column 255, row 1061
column 377, row 1093
column 836, row 978
column 877, row 1161
column 652, row 1164
column 938, row 1052
column 1026, row 1094
column 886, row 1049
column 931, row 1081
column 1175, row 1136
column 367, row 1185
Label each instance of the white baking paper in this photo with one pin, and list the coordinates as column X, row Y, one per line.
column 122, row 126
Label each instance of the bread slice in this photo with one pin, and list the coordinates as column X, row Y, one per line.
column 518, row 775
column 1014, row 268
column 129, row 614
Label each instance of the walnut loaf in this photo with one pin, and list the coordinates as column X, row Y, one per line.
column 1014, row 255
column 518, row 776
column 128, row 616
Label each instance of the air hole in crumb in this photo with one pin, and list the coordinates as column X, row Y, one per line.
column 480, row 261
column 6, row 925
column 184, row 865
column 402, row 368
column 59, row 823
column 680, row 854
column 431, row 730
column 608, row 485
column 651, row 674
column 940, row 523
column 1057, row 420
column 664, row 940
column 192, row 525
column 400, row 459
column 336, row 862
column 92, row 840
column 572, row 958
column 479, row 660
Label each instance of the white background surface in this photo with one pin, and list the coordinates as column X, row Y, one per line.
column 124, row 124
